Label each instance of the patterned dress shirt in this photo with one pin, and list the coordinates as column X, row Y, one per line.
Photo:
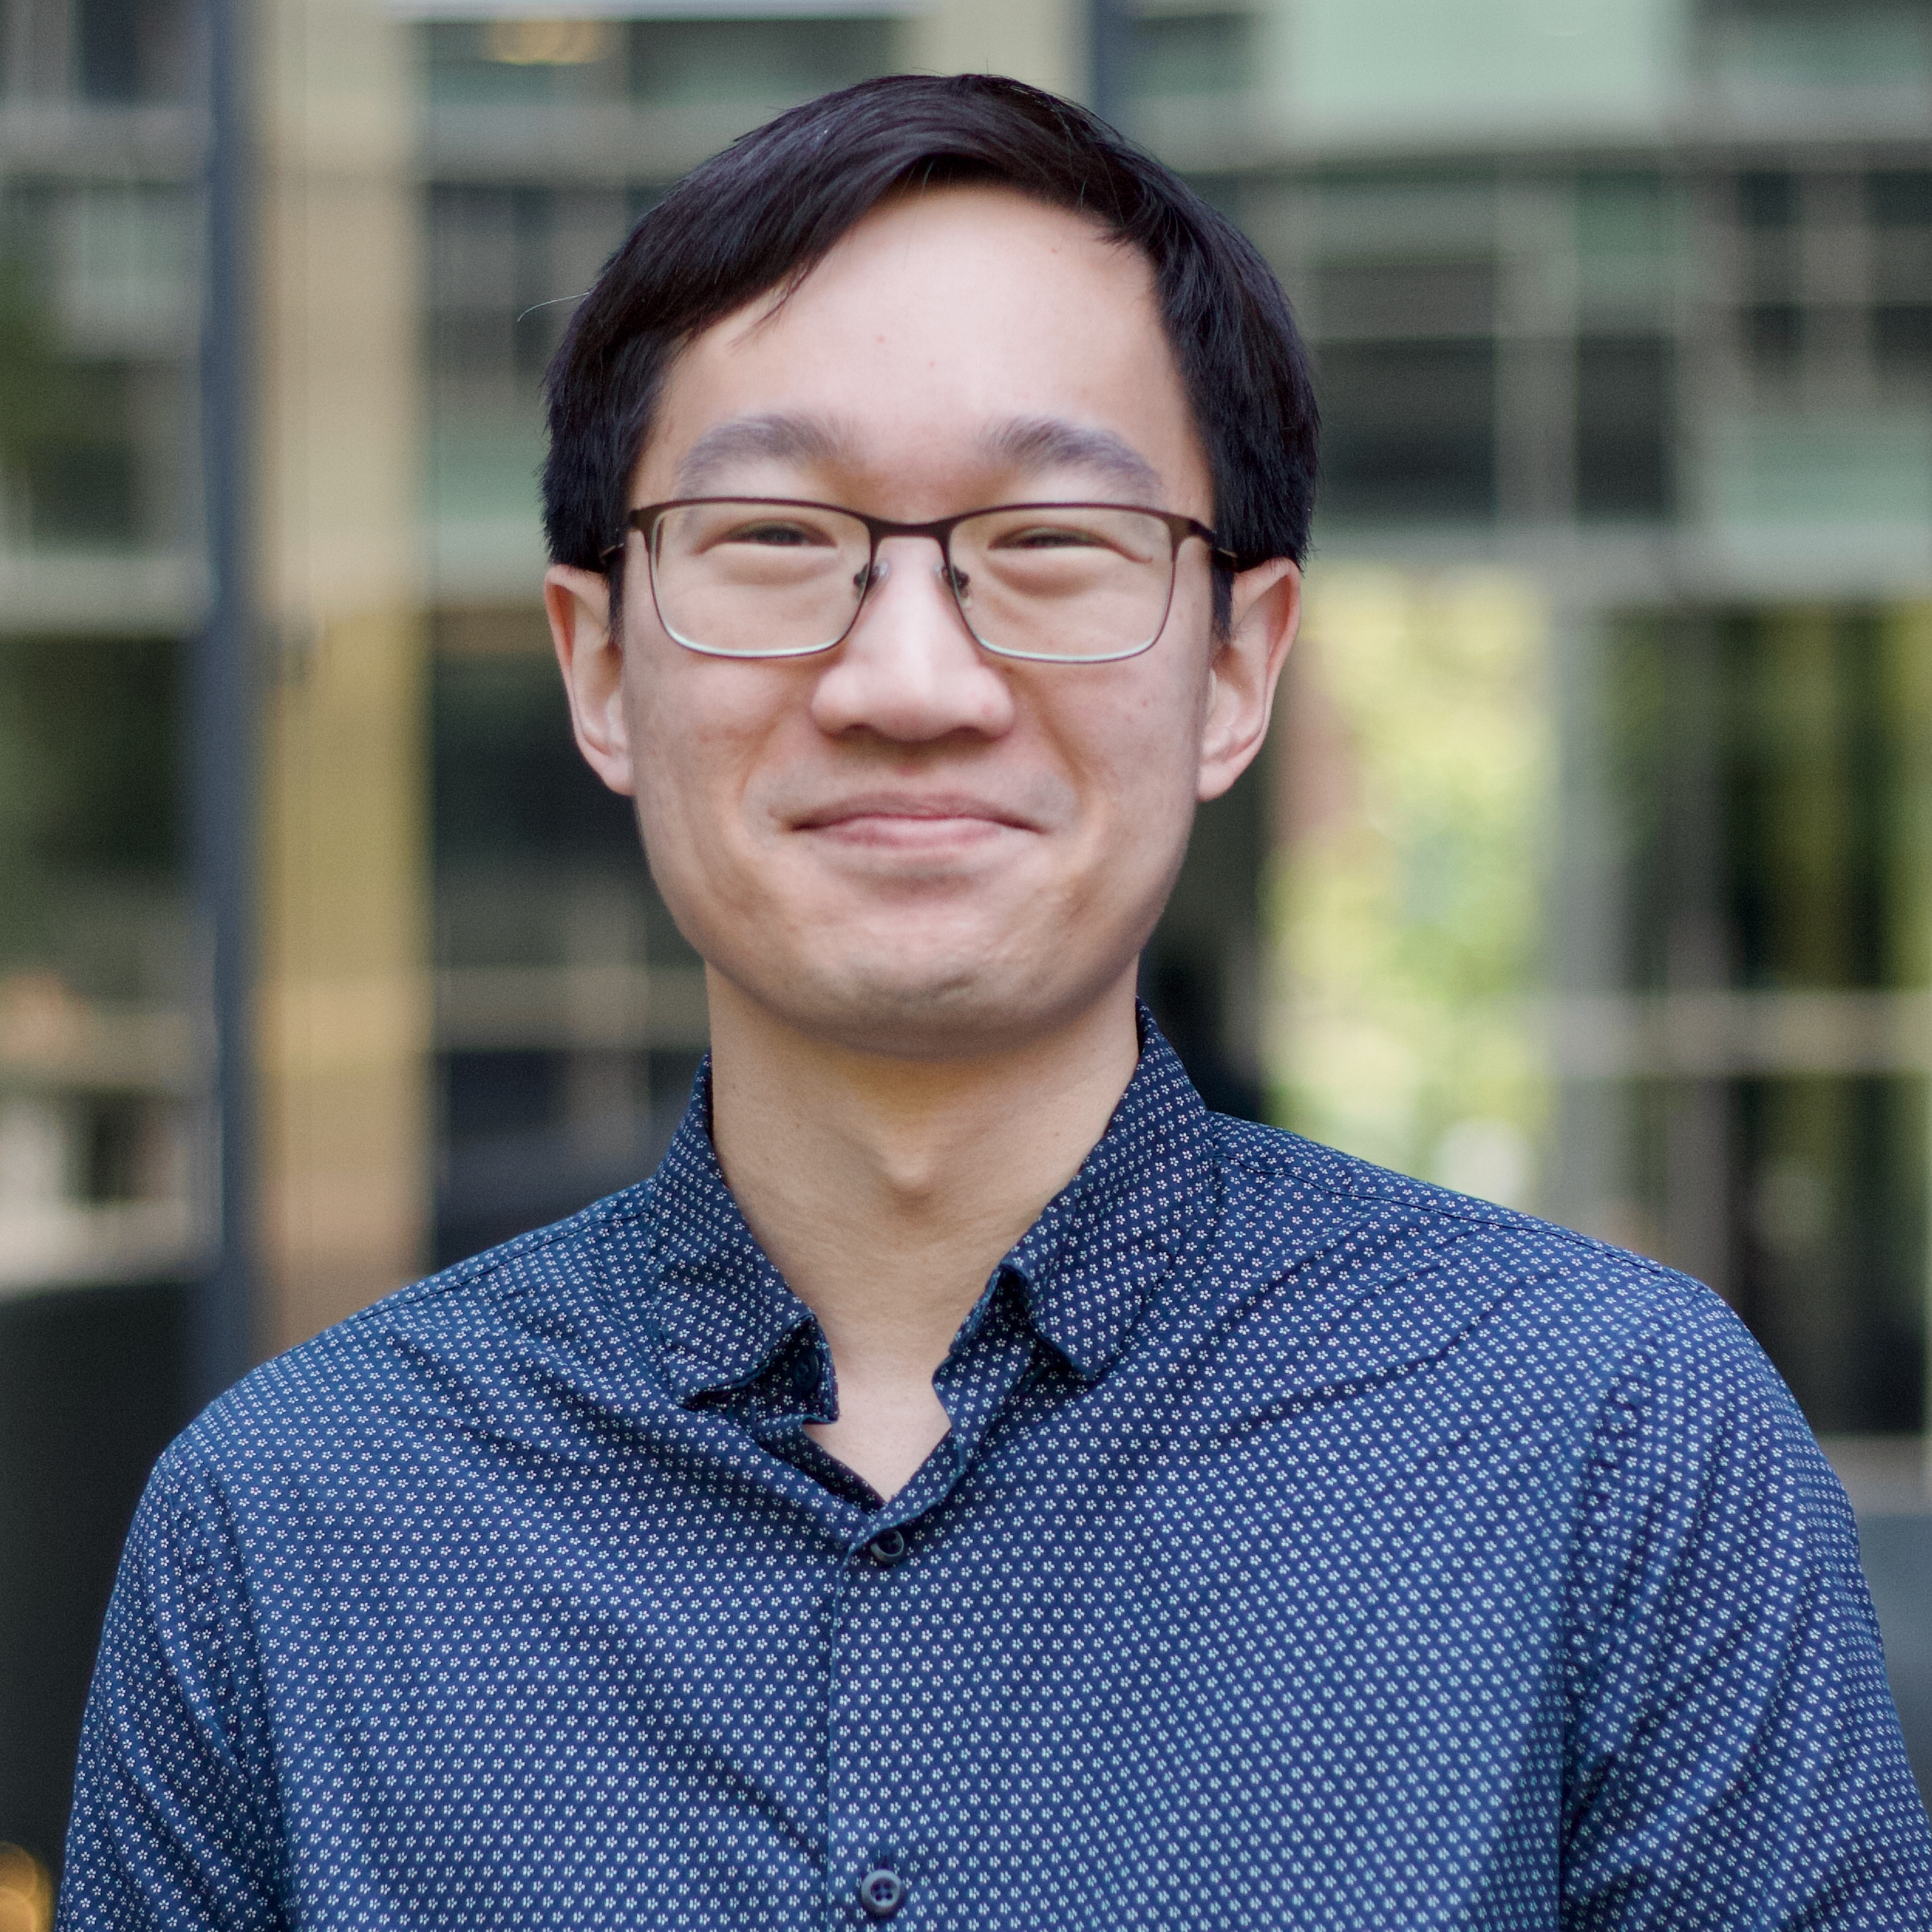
column 1311, row 1549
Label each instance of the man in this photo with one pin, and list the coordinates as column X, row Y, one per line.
column 969, row 1485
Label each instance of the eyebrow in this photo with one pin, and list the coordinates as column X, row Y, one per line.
column 783, row 439
column 1050, row 442
column 1024, row 442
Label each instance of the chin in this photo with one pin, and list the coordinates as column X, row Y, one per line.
column 928, row 1009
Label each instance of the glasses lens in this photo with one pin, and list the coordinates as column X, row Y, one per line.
column 742, row 579
column 1067, row 581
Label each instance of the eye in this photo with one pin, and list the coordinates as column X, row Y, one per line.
column 1048, row 537
column 776, row 534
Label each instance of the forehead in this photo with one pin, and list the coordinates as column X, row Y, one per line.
column 939, row 322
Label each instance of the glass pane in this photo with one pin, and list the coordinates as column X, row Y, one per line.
column 1072, row 583
column 754, row 579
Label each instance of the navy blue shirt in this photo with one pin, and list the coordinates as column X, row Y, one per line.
column 1311, row 1549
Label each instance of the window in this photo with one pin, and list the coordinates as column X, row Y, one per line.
column 1768, row 199
column 1409, row 430
column 1773, row 336
column 131, row 50
column 1625, row 442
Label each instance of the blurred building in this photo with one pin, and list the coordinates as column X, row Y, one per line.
column 104, row 1132
column 1622, row 314
column 1593, row 867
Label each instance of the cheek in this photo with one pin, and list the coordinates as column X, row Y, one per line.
column 701, row 731
column 684, row 824
column 1146, row 741
column 674, row 768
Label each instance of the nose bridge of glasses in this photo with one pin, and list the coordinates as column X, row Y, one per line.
column 879, row 571
column 878, row 568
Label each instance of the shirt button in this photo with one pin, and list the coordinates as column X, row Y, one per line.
column 885, row 1550
column 882, row 1892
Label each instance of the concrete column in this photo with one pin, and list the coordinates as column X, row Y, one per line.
column 346, row 1013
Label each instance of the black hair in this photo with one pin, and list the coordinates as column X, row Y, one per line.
column 759, row 215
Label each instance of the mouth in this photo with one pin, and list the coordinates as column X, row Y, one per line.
column 912, row 822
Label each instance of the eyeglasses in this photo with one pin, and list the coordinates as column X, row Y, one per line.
column 767, row 577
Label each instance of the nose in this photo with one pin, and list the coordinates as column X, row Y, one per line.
column 909, row 669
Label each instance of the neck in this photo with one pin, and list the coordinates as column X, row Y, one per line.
column 885, row 1191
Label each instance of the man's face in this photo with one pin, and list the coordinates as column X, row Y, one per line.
column 904, row 844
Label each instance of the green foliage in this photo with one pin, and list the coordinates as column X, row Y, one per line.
column 1408, row 916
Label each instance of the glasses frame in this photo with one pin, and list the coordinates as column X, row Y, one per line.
column 645, row 520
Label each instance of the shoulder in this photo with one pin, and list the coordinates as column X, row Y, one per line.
column 1406, row 1250
column 1268, row 1167
column 1678, row 1432
column 457, row 1344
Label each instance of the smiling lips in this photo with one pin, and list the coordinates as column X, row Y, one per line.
column 912, row 821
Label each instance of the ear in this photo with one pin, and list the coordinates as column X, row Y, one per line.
column 1246, row 667
column 578, row 603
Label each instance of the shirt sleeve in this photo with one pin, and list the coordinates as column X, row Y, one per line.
column 171, row 1823
column 1735, row 1758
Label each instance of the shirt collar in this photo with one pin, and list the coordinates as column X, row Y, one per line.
column 718, row 1311
column 1093, row 1259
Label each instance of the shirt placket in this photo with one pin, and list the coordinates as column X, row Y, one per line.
column 873, row 1849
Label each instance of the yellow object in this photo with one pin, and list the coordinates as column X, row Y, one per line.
column 27, row 1891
